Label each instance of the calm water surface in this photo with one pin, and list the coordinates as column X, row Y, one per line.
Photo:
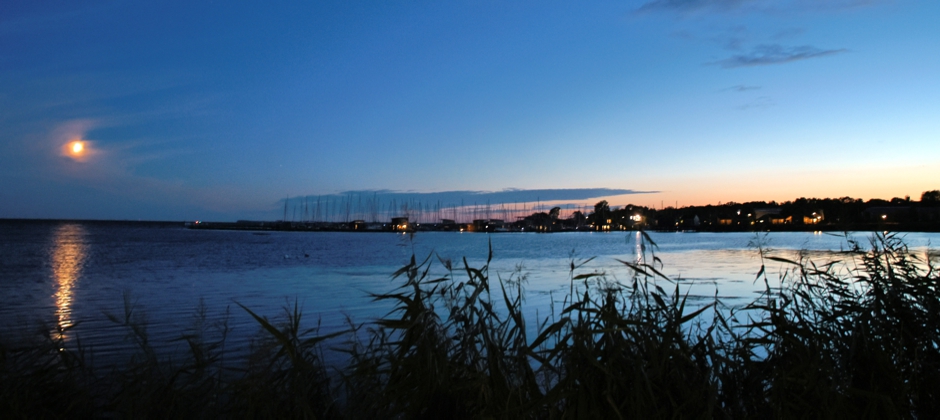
column 76, row 273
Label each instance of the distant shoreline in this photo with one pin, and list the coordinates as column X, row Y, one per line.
column 378, row 227
column 467, row 228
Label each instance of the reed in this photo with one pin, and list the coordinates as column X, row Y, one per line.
column 854, row 337
column 41, row 378
column 856, row 340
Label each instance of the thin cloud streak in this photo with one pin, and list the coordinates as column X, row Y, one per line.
column 758, row 103
column 740, row 88
column 767, row 6
column 764, row 55
column 685, row 6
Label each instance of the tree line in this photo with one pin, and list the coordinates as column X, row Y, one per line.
column 844, row 213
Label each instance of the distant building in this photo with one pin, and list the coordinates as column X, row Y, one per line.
column 357, row 225
column 449, row 224
column 488, row 225
column 760, row 213
column 400, row 224
column 888, row 214
column 814, row 218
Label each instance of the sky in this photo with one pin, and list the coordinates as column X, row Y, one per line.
column 223, row 110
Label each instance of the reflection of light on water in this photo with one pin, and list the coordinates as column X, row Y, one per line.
column 639, row 248
column 68, row 256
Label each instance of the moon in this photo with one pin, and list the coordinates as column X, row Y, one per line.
column 79, row 150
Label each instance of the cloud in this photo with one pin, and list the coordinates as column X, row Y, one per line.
column 763, row 55
column 71, row 132
column 733, row 38
column 722, row 6
column 759, row 103
column 456, row 198
column 685, row 6
column 740, row 88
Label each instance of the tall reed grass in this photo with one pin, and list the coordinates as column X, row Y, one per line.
column 848, row 338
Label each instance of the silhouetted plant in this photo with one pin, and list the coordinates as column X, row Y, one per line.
column 41, row 378
column 854, row 337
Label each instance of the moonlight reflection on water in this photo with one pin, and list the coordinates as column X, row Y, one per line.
column 68, row 254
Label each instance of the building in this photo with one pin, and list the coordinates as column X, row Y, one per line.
column 400, row 224
column 488, row 225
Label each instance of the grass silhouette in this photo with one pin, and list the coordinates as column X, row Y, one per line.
column 856, row 337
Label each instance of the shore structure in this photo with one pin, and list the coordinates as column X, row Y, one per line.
column 749, row 222
column 396, row 225
column 800, row 215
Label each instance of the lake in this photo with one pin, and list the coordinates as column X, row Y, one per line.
column 71, row 273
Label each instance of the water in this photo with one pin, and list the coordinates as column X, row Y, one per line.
column 74, row 274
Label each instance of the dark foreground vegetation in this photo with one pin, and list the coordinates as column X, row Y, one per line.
column 842, row 339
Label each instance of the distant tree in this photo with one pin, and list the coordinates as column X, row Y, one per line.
column 601, row 212
column 578, row 217
column 930, row 196
column 554, row 212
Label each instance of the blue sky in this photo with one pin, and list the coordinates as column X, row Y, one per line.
column 220, row 110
